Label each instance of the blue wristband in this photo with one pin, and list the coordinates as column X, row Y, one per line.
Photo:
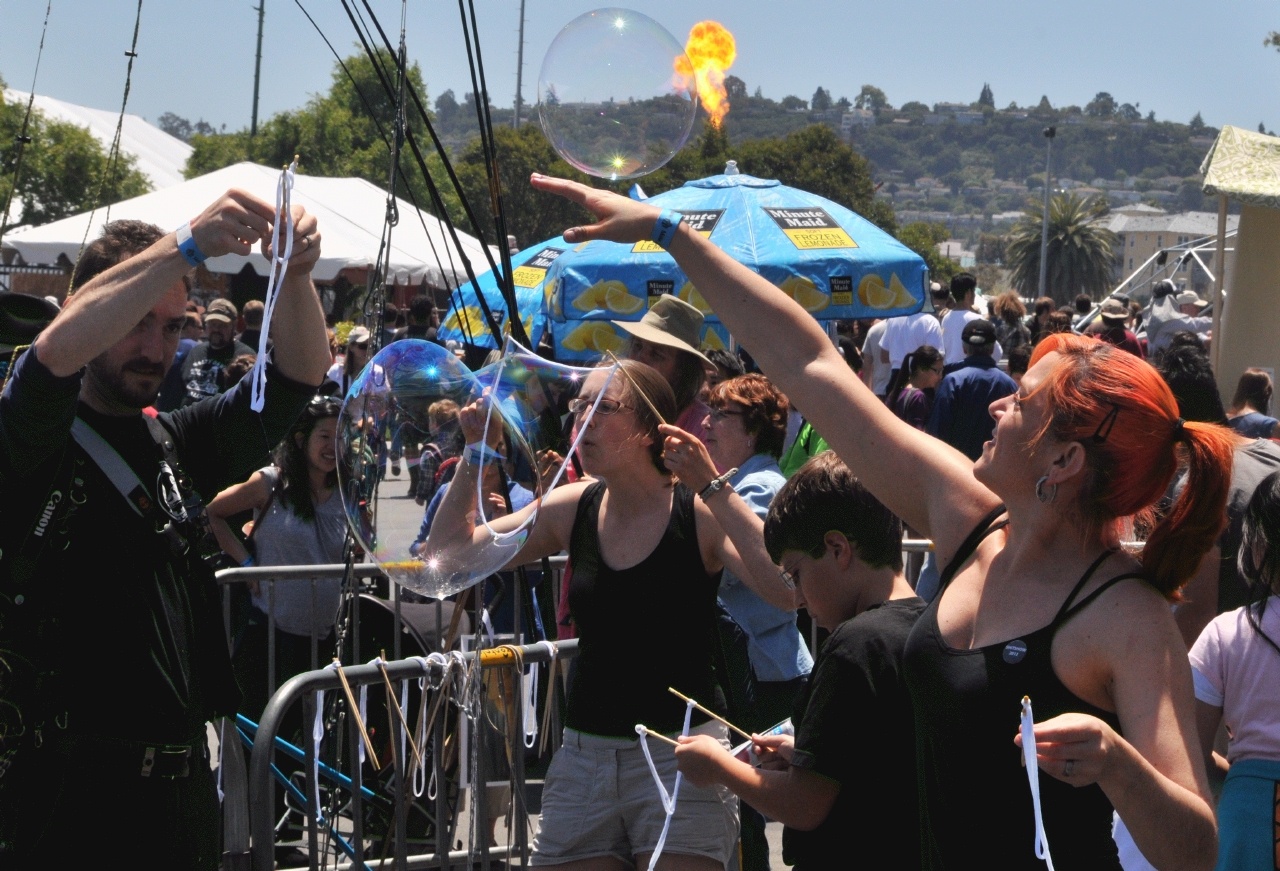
column 248, row 561
column 187, row 245
column 664, row 229
column 472, row 455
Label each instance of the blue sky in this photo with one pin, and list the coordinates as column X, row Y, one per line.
column 196, row 56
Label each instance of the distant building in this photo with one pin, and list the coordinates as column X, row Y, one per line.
column 857, row 118
column 960, row 112
column 1143, row 231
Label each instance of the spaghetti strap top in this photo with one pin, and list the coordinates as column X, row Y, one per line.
column 975, row 802
column 641, row 629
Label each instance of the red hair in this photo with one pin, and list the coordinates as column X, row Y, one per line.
column 1120, row 409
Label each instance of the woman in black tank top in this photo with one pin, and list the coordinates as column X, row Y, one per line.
column 1092, row 437
column 646, row 560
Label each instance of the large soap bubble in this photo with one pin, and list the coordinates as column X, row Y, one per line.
column 610, row 98
column 388, row 410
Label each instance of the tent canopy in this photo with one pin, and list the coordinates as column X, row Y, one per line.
column 1244, row 166
column 160, row 157
column 350, row 211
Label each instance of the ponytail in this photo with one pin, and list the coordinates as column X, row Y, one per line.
column 1126, row 418
column 1190, row 528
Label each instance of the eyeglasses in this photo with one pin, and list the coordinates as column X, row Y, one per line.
column 363, row 346
column 790, row 578
column 719, row 414
column 606, row 406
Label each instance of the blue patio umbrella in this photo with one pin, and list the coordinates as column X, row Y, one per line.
column 465, row 320
column 834, row 263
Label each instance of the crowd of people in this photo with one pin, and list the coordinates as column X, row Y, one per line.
column 720, row 507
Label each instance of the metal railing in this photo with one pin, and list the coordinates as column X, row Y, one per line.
column 304, row 687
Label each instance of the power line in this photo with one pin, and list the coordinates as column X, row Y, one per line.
column 113, row 155
column 22, row 139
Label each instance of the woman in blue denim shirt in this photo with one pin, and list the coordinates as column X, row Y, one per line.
column 746, row 429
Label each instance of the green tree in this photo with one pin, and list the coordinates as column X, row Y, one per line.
column 1080, row 250
column 992, row 249
column 736, row 89
column 335, row 135
column 871, row 97
column 821, row 101
column 987, row 98
column 531, row 215
column 923, row 238
column 793, row 103
column 63, row 168
column 1103, row 105
column 1196, row 124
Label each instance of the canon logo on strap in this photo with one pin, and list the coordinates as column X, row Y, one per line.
column 54, row 498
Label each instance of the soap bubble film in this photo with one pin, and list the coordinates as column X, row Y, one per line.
column 388, row 405
column 610, row 98
column 389, row 408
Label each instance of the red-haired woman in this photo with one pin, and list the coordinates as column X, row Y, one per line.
column 1038, row 598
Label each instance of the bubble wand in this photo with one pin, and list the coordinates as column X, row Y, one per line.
column 278, row 266
column 618, row 364
column 484, row 448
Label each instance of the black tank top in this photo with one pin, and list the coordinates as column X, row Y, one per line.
column 975, row 800
column 642, row 629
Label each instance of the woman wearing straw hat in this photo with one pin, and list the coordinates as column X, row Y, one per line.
column 667, row 338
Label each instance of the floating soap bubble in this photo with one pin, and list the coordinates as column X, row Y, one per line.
column 390, row 404
column 390, row 407
column 610, row 98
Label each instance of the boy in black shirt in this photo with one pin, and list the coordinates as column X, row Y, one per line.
column 847, row 779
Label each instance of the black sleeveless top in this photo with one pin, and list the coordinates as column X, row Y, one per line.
column 641, row 629
column 975, row 802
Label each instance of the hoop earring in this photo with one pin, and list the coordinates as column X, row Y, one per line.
column 1046, row 497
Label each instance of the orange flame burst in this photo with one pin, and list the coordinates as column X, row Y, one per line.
column 711, row 50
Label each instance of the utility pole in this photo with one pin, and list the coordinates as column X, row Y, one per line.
column 1049, row 133
column 520, row 69
column 257, row 70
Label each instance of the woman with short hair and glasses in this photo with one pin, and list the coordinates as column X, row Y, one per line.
column 746, row 430
column 647, row 551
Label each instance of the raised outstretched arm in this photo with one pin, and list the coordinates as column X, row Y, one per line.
column 924, row 481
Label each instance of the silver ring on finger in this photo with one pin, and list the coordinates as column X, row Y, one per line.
column 307, row 239
column 1068, row 767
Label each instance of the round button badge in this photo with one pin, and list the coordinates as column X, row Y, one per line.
column 1014, row 651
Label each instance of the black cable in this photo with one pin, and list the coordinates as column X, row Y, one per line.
column 113, row 155
column 379, row 273
column 466, row 326
column 503, row 288
column 22, row 138
column 494, row 327
column 495, row 180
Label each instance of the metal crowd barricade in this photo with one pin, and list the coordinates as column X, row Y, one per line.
column 304, row 686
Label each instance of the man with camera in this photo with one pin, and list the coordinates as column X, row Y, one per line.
column 114, row 656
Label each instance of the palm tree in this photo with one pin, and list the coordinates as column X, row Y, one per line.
column 1079, row 254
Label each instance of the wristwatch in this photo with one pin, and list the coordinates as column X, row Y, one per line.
column 717, row 484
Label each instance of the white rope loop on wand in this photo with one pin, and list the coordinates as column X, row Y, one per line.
column 1033, row 778
column 275, row 277
column 668, row 799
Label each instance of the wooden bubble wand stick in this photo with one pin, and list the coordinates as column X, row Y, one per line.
column 636, row 387
column 712, row 714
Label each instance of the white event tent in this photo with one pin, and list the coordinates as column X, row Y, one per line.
column 160, row 156
column 350, row 212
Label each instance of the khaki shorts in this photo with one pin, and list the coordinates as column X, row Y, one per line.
column 599, row 799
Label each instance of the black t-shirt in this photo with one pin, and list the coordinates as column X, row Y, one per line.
column 854, row 725
column 202, row 368
column 122, row 598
